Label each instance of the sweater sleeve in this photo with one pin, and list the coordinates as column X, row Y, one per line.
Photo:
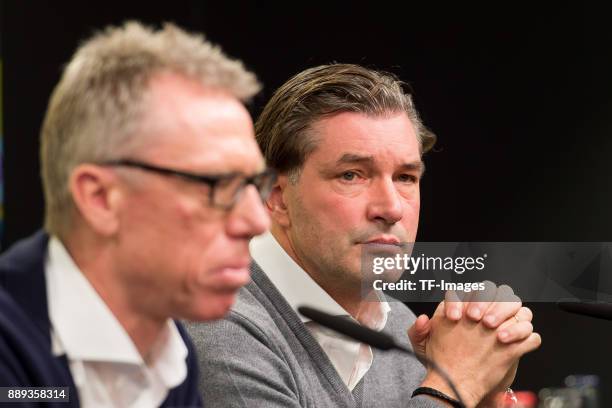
column 240, row 367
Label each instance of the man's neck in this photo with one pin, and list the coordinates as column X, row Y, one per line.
column 94, row 259
column 348, row 298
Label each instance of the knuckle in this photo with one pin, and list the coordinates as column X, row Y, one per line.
column 451, row 295
column 539, row 338
column 527, row 313
column 489, row 285
column 536, row 340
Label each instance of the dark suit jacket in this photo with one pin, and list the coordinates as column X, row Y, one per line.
column 26, row 359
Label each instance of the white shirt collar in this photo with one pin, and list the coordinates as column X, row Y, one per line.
column 86, row 329
column 296, row 286
column 351, row 359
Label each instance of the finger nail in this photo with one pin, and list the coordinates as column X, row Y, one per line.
column 503, row 335
column 490, row 319
column 455, row 314
column 475, row 313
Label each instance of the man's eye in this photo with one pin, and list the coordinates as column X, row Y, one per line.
column 407, row 178
column 349, row 176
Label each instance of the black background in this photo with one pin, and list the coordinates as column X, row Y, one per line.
column 518, row 94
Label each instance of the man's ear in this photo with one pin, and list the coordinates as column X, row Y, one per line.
column 95, row 195
column 277, row 202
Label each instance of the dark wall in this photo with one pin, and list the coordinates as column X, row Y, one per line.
column 519, row 96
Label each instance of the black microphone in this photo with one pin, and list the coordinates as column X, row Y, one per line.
column 370, row 337
column 353, row 330
column 600, row 310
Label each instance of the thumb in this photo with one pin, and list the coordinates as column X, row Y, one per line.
column 418, row 334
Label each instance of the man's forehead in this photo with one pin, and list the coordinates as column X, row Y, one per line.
column 351, row 132
column 370, row 150
column 199, row 129
column 176, row 98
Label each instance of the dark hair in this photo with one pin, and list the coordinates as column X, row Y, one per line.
column 282, row 128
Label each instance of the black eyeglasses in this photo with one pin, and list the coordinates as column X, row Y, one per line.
column 225, row 189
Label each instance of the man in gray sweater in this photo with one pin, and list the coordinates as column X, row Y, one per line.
column 348, row 144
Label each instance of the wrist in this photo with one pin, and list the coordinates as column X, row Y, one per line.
column 441, row 397
column 435, row 381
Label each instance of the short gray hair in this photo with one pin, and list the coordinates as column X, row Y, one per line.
column 100, row 101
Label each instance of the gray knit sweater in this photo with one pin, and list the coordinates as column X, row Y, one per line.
column 262, row 355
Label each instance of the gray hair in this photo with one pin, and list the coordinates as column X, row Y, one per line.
column 98, row 105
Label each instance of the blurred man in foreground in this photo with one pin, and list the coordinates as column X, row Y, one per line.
column 348, row 144
column 153, row 184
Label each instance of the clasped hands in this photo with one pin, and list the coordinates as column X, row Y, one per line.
column 477, row 338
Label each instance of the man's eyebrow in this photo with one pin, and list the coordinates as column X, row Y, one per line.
column 415, row 166
column 348, row 158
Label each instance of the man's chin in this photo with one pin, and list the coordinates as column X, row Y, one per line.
column 215, row 307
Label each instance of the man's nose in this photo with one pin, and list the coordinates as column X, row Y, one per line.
column 385, row 202
column 249, row 217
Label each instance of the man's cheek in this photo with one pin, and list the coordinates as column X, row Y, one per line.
column 410, row 223
column 342, row 211
column 211, row 245
column 411, row 209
